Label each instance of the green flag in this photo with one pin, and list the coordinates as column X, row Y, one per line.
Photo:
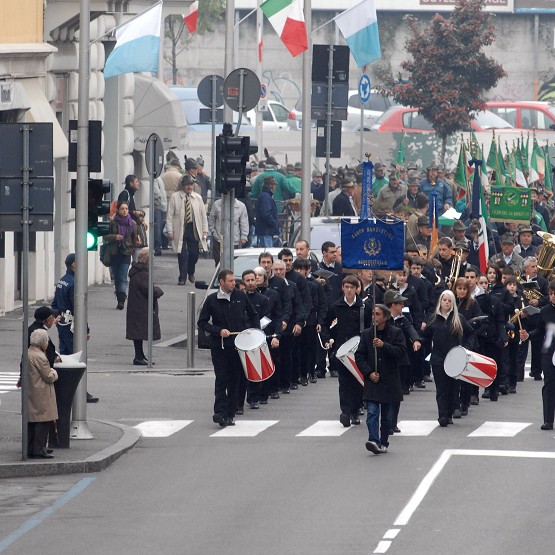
column 401, row 150
column 548, row 177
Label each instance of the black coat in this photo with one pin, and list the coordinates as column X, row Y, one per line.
column 348, row 320
column 137, row 305
column 440, row 331
column 409, row 333
column 279, row 285
column 342, row 206
column 388, row 388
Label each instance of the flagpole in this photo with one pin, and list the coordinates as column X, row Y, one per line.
column 259, row 114
column 113, row 29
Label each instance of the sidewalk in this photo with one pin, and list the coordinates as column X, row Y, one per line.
column 108, row 352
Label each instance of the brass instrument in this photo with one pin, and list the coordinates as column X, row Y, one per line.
column 531, row 294
column 455, row 265
column 546, row 255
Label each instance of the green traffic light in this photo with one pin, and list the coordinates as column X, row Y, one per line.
column 92, row 241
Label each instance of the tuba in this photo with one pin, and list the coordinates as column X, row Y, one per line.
column 546, row 255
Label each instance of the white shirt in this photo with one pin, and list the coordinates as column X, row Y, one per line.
column 221, row 294
column 350, row 304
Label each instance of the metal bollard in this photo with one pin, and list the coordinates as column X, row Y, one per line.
column 191, row 324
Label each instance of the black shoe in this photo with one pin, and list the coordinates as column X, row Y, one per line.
column 158, row 253
column 274, row 396
column 285, row 391
column 406, row 391
column 355, row 420
column 538, row 378
column 503, row 389
column 321, row 375
column 420, row 385
column 140, row 362
column 427, row 379
column 456, row 413
column 449, row 420
column 229, row 422
column 254, row 405
column 180, row 282
column 333, row 374
column 547, row 426
column 464, row 410
column 493, row 397
column 486, row 394
column 91, row 398
column 294, row 386
column 345, row 420
column 240, row 411
column 264, row 401
column 313, row 379
column 48, row 450
column 396, row 430
column 42, row 456
column 219, row 419
column 191, row 278
column 443, row 421
column 304, row 381
column 512, row 389
column 361, row 411
column 474, row 400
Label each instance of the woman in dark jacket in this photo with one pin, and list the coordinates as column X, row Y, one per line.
column 137, row 308
column 382, row 382
column 122, row 241
column 446, row 329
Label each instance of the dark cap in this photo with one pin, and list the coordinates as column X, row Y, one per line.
column 507, row 238
column 191, row 164
column 524, row 229
column 432, row 166
column 43, row 313
column 423, row 220
column 322, row 273
column 271, row 161
column 347, row 183
column 316, row 173
column 290, row 168
column 379, row 166
column 391, row 297
column 298, row 166
column 70, row 259
column 463, row 245
column 458, row 225
column 175, row 162
column 200, row 161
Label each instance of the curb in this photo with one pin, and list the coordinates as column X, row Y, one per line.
column 95, row 463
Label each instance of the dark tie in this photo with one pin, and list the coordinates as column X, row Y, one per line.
column 188, row 218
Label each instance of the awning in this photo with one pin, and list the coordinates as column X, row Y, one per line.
column 39, row 111
column 157, row 110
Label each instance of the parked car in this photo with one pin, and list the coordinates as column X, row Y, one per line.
column 539, row 116
column 399, row 119
column 198, row 115
column 377, row 104
column 275, row 117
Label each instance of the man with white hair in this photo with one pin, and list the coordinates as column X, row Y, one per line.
column 240, row 227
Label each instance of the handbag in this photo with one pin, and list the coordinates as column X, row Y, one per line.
column 105, row 254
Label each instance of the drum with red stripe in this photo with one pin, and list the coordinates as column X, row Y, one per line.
column 468, row 366
column 346, row 354
column 255, row 355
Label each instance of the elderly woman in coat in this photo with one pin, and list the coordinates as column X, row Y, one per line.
column 41, row 396
column 187, row 227
column 137, row 308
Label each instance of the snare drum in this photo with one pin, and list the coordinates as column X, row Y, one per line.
column 468, row 366
column 255, row 355
column 346, row 354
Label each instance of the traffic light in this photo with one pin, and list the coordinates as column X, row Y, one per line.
column 98, row 207
column 232, row 157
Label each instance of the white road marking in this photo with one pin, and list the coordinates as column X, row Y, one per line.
column 499, row 429
column 161, row 428
column 245, row 428
column 391, row 534
column 8, row 381
column 416, row 427
column 382, row 547
column 324, row 428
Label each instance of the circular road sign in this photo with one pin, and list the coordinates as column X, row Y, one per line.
column 154, row 155
column 263, row 91
column 364, row 88
column 204, row 91
column 251, row 89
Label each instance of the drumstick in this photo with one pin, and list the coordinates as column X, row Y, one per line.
column 517, row 312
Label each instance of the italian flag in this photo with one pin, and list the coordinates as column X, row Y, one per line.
column 191, row 19
column 287, row 18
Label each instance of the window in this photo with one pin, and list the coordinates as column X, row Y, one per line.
column 508, row 114
column 281, row 113
column 413, row 120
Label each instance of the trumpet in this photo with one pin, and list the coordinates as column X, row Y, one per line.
column 455, row 265
column 531, row 294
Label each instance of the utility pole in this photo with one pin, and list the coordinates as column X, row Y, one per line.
column 307, row 126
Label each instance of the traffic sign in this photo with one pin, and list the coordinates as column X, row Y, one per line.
column 204, row 91
column 364, row 88
column 263, row 91
column 250, row 89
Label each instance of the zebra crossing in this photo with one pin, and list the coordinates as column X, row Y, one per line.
column 325, row 428
column 8, row 381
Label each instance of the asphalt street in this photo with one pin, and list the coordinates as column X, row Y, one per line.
column 288, row 478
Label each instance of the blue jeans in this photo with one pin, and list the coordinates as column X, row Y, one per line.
column 120, row 272
column 265, row 241
column 379, row 432
column 159, row 221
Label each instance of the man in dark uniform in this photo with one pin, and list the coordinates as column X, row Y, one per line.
column 351, row 317
column 223, row 314
column 63, row 305
column 343, row 204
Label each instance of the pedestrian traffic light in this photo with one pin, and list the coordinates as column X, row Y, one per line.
column 232, row 157
column 97, row 208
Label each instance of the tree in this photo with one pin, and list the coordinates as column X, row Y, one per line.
column 449, row 72
column 210, row 12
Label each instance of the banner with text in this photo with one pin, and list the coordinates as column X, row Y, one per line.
column 372, row 245
column 510, row 204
